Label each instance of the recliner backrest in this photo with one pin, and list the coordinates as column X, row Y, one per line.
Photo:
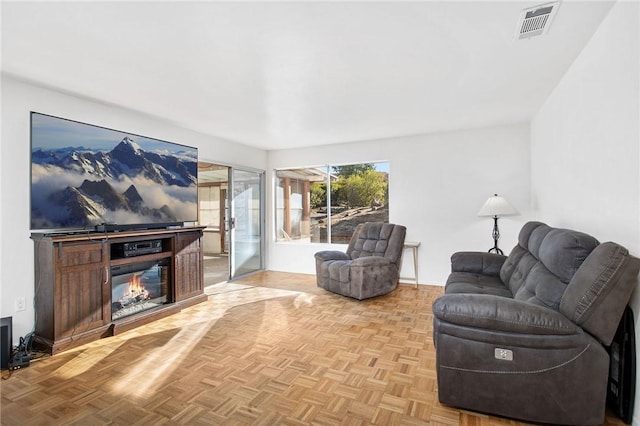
column 543, row 263
column 377, row 239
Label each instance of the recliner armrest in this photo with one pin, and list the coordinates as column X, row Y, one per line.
column 332, row 255
column 501, row 314
column 368, row 261
column 477, row 262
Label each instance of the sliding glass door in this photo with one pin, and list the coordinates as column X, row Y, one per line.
column 246, row 221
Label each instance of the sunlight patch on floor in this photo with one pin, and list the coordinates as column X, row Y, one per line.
column 225, row 287
column 145, row 376
column 85, row 361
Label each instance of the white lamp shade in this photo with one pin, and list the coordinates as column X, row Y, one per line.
column 497, row 206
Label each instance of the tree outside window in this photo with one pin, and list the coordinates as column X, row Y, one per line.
column 325, row 204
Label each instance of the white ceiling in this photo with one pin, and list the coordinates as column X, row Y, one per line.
column 289, row 74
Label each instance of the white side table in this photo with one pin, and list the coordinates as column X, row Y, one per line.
column 414, row 248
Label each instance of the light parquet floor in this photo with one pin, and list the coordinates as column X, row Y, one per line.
column 268, row 349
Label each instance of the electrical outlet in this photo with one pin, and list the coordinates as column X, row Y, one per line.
column 20, row 304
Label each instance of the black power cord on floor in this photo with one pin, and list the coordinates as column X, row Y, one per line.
column 22, row 355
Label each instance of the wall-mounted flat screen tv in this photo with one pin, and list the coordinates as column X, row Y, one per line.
column 84, row 175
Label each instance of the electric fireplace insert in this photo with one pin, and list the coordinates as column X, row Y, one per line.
column 139, row 286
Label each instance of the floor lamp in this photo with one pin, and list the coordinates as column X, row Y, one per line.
column 495, row 207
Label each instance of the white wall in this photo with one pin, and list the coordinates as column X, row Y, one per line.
column 438, row 182
column 585, row 139
column 585, row 142
column 18, row 99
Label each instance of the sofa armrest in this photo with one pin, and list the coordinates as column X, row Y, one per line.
column 331, row 255
column 501, row 314
column 477, row 262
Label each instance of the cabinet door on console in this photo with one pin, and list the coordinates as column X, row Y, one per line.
column 188, row 263
column 82, row 291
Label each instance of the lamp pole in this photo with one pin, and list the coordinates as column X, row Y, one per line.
column 496, row 236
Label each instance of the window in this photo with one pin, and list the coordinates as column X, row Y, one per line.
column 209, row 199
column 309, row 199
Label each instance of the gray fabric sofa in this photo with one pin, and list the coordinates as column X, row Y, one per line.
column 371, row 265
column 524, row 336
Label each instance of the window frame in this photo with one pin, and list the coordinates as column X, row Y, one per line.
column 328, row 170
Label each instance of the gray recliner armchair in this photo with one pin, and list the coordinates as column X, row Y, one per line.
column 524, row 336
column 371, row 265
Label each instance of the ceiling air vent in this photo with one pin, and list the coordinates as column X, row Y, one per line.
column 536, row 20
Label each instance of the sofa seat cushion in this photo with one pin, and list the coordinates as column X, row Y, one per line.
column 470, row 282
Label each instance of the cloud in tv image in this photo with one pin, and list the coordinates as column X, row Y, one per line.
column 84, row 175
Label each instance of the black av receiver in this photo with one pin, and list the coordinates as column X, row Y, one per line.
column 137, row 248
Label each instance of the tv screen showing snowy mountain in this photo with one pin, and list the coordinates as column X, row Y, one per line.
column 84, row 175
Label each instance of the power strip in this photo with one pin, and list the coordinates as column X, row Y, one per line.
column 20, row 361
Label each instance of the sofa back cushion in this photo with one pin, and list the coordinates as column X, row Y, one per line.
column 599, row 291
column 519, row 263
column 543, row 263
column 377, row 239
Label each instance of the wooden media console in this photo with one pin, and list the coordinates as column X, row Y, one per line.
column 75, row 278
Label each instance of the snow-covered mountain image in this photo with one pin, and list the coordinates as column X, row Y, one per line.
column 117, row 182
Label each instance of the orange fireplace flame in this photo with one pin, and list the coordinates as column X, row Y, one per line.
column 136, row 289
